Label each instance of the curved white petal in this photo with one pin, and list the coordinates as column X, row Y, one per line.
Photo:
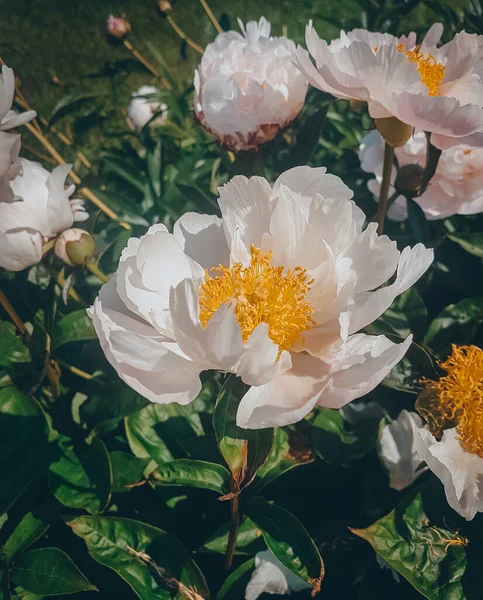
column 20, row 249
column 202, row 238
column 272, row 577
column 460, row 472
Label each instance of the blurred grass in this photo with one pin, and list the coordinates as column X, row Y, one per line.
column 66, row 38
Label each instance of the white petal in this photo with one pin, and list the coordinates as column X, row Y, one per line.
column 370, row 358
column 272, row 577
column 397, row 451
column 413, row 262
column 309, row 181
column 202, row 238
column 287, row 398
column 20, row 249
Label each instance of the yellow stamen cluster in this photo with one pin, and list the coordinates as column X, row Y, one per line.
column 460, row 398
column 430, row 70
column 260, row 293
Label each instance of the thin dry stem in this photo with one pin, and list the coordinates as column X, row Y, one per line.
column 183, row 35
column 12, row 313
column 211, row 16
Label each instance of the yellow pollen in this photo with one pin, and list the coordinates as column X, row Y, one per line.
column 260, row 293
column 460, row 398
column 430, row 70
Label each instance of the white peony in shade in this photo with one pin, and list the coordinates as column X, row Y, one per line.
column 143, row 108
column 272, row 577
column 9, row 118
column 247, row 87
column 299, row 278
column 455, row 189
column 439, row 90
column 41, row 209
column 397, row 450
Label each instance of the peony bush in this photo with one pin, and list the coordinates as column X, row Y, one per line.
column 241, row 317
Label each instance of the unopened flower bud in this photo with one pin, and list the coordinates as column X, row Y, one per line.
column 165, row 7
column 118, row 27
column 409, row 179
column 75, row 247
column 395, row 132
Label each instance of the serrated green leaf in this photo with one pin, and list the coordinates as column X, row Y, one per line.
column 74, row 327
column 117, row 543
column 82, row 477
column 193, row 473
column 49, row 572
column 419, row 551
column 288, row 539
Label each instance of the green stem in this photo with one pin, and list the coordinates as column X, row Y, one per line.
column 385, row 184
column 94, row 269
column 234, row 526
column 432, row 159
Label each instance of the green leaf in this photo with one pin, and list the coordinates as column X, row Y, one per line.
column 127, row 470
column 49, row 572
column 307, row 139
column 25, row 450
column 31, row 528
column 407, row 374
column 82, row 477
column 338, row 443
column 289, row 450
column 418, row 551
column 235, row 584
column 407, row 314
column 288, row 539
column 249, row 539
column 193, row 473
column 471, row 242
column 244, row 450
column 108, row 403
column 12, row 348
column 68, row 104
column 417, row 221
column 456, row 324
column 157, row 431
column 117, row 544
column 74, row 327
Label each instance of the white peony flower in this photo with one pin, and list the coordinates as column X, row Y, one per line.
column 247, row 87
column 439, row 90
column 143, row 108
column 397, row 451
column 275, row 292
column 41, row 211
column 8, row 117
column 457, row 459
column 455, row 189
column 272, row 577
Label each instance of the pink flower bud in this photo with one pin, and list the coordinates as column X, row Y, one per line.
column 75, row 247
column 118, row 27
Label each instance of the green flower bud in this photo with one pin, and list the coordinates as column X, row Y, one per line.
column 75, row 247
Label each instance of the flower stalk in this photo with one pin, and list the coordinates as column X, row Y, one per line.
column 234, row 525
column 12, row 313
column 211, row 16
column 183, row 35
column 385, row 184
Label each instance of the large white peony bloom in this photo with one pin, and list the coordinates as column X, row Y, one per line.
column 272, row 577
column 455, row 189
column 247, row 87
column 40, row 211
column 144, row 106
column 455, row 453
column 275, row 291
column 9, row 118
column 439, row 90
column 397, row 450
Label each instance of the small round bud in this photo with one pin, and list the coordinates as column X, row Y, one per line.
column 75, row 247
column 165, row 7
column 395, row 132
column 357, row 105
column 118, row 27
column 409, row 179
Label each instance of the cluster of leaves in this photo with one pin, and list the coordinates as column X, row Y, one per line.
column 104, row 491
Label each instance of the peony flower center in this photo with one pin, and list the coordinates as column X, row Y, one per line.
column 460, row 398
column 260, row 293
column 430, row 70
